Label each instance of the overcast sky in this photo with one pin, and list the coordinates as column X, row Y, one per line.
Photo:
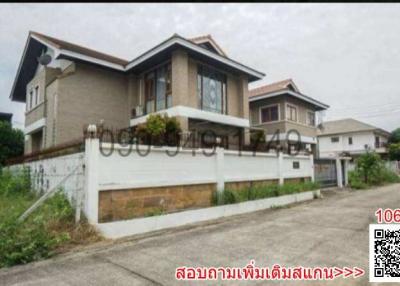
column 345, row 55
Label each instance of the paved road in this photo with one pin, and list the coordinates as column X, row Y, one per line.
column 332, row 231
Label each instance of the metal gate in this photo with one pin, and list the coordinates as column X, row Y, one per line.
column 325, row 172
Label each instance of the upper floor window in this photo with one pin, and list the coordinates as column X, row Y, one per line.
column 350, row 140
column 36, row 95
column 269, row 113
column 334, row 139
column 291, row 112
column 310, row 118
column 33, row 98
column 211, row 90
column 158, row 89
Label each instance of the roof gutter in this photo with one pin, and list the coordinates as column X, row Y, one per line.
column 290, row 92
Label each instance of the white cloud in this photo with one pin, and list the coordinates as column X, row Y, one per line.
column 343, row 54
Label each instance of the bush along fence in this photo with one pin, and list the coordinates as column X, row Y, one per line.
column 124, row 184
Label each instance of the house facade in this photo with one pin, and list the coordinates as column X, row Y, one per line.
column 66, row 86
column 350, row 137
column 286, row 115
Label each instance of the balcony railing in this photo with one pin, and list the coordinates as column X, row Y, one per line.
column 381, row 144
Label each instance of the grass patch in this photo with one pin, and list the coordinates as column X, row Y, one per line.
column 254, row 193
column 49, row 230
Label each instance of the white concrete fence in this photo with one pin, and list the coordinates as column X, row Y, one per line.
column 138, row 166
column 111, row 166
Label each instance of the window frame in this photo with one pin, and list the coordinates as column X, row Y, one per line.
column 333, row 139
column 308, row 119
column 289, row 105
column 36, row 93
column 269, row 106
column 224, row 88
column 168, row 91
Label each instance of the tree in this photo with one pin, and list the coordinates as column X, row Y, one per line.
column 11, row 142
column 394, row 151
column 369, row 166
column 395, row 136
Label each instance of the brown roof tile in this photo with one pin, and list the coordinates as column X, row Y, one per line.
column 276, row 86
column 60, row 44
column 202, row 39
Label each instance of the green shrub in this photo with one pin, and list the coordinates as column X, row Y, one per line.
column 14, row 184
column 394, row 151
column 159, row 130
column 356, row 181
column 368, row 166
column 38, row 236
column 11, row 142
column 388, row 176
column 257, row 136
column 155, row 125
column 261, row 192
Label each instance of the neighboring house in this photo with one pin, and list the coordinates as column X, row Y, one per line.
column 7, row 117
column 350, row 137
column 72, row 86
column 282, row 110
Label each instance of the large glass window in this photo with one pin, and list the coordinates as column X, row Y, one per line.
column 269, row 113
column 211, row 90
column 158, row 89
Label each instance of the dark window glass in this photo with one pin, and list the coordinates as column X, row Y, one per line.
column 269, row 114
column 296, row 165
column 334, row 139
column 350, row 140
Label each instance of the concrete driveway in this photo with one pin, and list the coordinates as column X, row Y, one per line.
column 332, row 231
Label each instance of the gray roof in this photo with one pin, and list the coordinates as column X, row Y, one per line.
column 346, row 126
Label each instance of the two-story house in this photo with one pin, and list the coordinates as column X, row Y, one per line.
column 66, row 86
column 287, row 116
column 350, row 137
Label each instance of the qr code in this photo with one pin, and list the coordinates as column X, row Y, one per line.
column 384, row 253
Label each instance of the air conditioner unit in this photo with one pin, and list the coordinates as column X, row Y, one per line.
column 139, row 110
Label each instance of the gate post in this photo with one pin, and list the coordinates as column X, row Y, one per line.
column 339, row 175
column 312, row 175
column 92, row 175
column 280, row 167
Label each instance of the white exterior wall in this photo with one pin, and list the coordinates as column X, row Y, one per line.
column 328, row 149
column 188, row 167
column 192, row 167
column 46, row 174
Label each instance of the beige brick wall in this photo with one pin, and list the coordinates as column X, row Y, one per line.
column 88, row 95
column 35, row 114
column 125, row 204
column 51, row 119
column 180, row 78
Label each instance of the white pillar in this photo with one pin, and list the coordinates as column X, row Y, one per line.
column 346, row 172
column 91, row 179
column 312, row 167
column 280, row 168
column 220, row 169
column 339, row 173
